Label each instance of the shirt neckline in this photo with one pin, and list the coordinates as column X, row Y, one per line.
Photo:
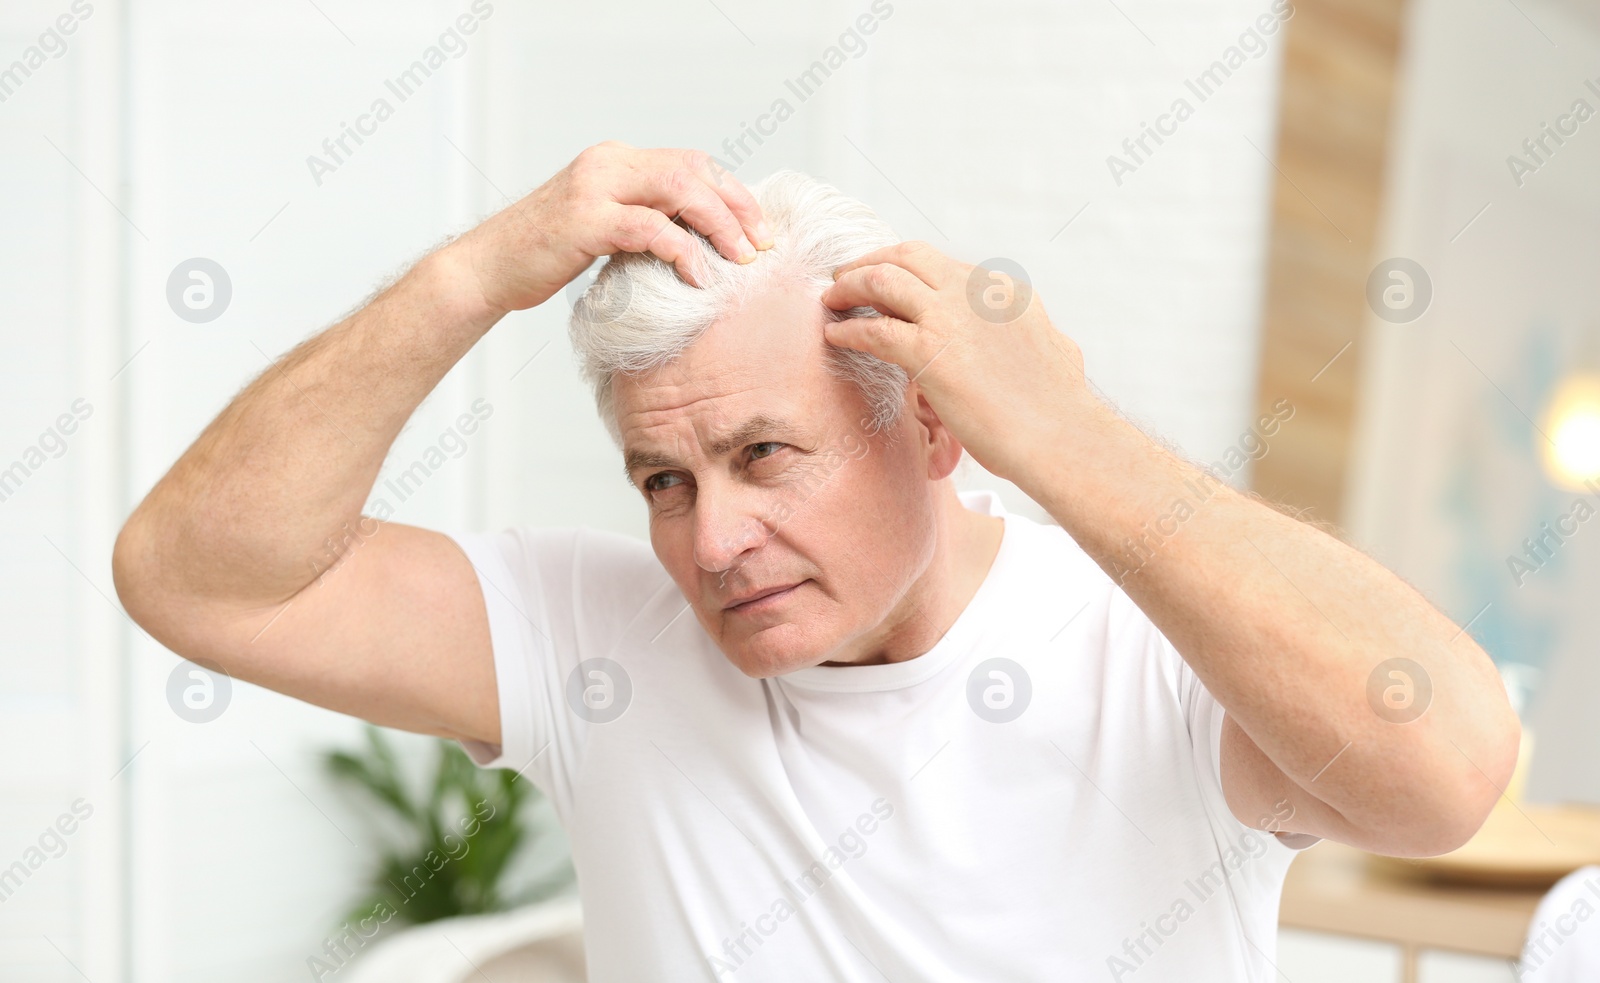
column 898, row 675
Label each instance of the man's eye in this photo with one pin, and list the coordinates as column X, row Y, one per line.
column 770, row 443
column 653, row 483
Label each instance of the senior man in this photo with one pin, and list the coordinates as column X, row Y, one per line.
column 905, row 734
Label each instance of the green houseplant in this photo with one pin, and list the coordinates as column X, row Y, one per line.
column 457, row 837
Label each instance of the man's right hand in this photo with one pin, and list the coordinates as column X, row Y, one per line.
column 612, row 198
column 243, row 555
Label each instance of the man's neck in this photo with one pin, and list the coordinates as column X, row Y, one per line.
column 965, row 549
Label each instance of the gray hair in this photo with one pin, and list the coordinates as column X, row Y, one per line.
column 639, row 314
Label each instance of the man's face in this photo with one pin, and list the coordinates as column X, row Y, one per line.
column 760, row 471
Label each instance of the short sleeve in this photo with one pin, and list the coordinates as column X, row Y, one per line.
column 555, row 597
column 512, row 594
column 1204, row 716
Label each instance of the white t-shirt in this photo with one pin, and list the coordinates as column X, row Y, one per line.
column 1057, row 816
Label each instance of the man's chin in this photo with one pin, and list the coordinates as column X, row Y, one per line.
column 763, row 657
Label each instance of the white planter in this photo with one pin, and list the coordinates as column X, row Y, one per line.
column 541, row 943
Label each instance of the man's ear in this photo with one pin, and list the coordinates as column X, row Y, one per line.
column 942, row 448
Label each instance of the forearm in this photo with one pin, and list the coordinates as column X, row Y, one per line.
column 1284, row 624
column 291, row 460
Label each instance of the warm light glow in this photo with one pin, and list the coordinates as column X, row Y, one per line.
column 1572, row 422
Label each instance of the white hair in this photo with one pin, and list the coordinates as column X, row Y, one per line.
column 639, row 314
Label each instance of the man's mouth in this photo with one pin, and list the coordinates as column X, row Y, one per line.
column 763, row 597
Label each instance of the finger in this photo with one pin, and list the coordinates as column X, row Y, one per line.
column 888, row 338
column 928, row 264
column 678, row 191
column 639, row 230
column 886, row 287
column 735, row 195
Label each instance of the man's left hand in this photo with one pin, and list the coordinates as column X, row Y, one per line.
column 977, row 341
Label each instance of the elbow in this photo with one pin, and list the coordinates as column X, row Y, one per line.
column 1426, row 828
column 133, row 573
column 125, row 562
column 1474, row 769
column 1454, row 823
column 1490, row 770
column 1486, row 782
column 168, row 614
column 1468, row 795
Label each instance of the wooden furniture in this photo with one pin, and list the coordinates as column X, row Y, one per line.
column 1334, row 888
column 1451, row 902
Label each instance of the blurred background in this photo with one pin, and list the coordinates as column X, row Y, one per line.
column 1383, row 212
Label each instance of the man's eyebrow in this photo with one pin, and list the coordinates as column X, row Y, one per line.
column 756, row 426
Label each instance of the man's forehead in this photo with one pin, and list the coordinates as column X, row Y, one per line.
column 718, row 440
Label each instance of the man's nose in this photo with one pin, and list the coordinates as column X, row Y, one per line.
column 725, row 531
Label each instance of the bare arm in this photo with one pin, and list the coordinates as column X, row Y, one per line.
column 1291, row 630
column 227, row 560
column 1353, row 704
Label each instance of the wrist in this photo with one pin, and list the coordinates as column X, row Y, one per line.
column 1102, row 475
column 450, row 276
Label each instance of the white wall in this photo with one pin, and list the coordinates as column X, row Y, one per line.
column 60, row 661
column 183, row 132
column 984, row 133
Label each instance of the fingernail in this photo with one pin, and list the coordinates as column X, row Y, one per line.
column 747, row 252
column 764, row 233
